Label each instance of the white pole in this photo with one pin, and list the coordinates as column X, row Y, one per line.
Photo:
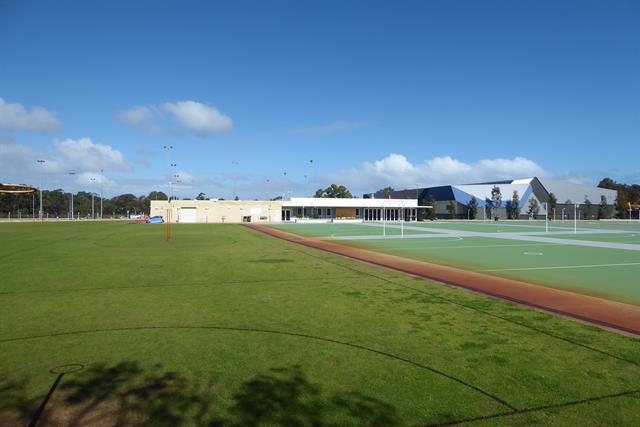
column 384, row 222
column 402, row 223
column 546, row 217
column 575, row 223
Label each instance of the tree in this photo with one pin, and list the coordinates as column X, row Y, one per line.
column 622, row 205
column 385, row 192
column 553, row 202
column 201, row 196
column 473, row 207
column 627, row 193
column 496, row 199
column 451, row 208
column 334, row 191
column 534, row 208
column 514, row 209
column 587, row 208
column 157, row 195
column 603, row 210
column 488, row 207
column 568, row 203
column 430, row 213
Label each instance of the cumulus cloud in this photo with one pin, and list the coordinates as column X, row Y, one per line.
column 326, row 128
column 92, row 156
column 135, row 115
column 396, row 170
column 19, row 162
column 38, row 119
column 199, row 118
column 93, row 181
column 184, row 178
column 196, row 117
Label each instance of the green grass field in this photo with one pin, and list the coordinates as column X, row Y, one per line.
column 226, row 326
column 603, row 272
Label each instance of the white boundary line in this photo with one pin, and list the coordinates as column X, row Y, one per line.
column 562, row 267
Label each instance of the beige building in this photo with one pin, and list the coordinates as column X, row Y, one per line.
column 296, row 209
column 217, row 211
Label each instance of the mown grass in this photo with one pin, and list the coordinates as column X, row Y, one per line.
column 225, row 326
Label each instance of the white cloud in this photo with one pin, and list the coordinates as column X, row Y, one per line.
column 184, row 178
column 199, row 118
column 396, row 170
column 15, row 116
column 90, row 156
column 93, row 181
column 137, row 115
column 326, row 128
column 19, row 162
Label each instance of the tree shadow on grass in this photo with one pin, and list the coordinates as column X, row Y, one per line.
column 127, row 395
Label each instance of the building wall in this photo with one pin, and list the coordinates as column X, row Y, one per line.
column 220, row 211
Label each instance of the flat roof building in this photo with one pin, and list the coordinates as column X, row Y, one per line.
column 294, row 209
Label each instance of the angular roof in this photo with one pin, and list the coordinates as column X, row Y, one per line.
column 577, row 193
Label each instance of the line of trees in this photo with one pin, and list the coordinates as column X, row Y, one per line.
column 627, row 193
column 57, row 203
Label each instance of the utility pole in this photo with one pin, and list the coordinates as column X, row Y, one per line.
column 41, row 213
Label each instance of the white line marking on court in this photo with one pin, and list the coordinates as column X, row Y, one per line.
column 532, row 253
column 564, row 266
column 474, row 246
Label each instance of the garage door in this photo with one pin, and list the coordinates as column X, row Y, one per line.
column 188, row 215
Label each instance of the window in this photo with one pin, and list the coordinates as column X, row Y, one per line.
column 299, row 211
column 319, row 211
column 328, row 211
column 357, row 212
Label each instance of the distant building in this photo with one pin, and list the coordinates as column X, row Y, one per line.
column 296, row 209
column 538, row 189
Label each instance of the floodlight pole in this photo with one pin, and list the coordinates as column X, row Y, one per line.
column 563, row 215
column 72, row 173
column 101, row 171
column 41, row 213
column 235, row 163
column 93, row 215
column 575, row 218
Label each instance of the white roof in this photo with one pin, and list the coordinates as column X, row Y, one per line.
column 325, row 202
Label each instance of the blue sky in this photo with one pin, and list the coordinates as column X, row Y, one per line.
column 375, row 93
